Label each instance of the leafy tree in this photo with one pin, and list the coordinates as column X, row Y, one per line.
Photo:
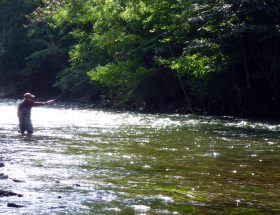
column 224, row 54
column 13, row 46
column 246, row 34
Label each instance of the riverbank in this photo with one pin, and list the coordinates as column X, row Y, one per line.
column 105, row 103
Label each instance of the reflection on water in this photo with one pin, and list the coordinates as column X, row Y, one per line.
column 82, row 161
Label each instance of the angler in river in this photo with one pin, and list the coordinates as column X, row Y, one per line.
column 24, row 112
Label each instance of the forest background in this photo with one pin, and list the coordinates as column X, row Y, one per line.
column 208, row 56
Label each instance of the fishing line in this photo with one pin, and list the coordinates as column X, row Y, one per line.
column 131, row 51
column 181, row 83
column 145, row 43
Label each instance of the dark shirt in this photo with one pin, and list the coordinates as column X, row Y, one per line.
column 24, row 108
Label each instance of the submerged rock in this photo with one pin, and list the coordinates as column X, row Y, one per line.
column 17, row 181
column 2, row 176
column 2, row 164
column 13, row 205
column 5, row 193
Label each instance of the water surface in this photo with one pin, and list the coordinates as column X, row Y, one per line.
column 84, row 161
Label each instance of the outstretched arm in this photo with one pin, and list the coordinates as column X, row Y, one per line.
column 36, row 104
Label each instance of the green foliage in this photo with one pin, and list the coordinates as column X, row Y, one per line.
column 12, row 35
column 134, row 50
column 195, row 64
column 121, row 78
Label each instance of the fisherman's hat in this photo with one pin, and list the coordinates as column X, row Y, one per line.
column 28, row 95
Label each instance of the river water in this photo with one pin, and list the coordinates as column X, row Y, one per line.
column 84, row 161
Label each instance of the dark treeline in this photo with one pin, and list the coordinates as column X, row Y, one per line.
column 144, row 54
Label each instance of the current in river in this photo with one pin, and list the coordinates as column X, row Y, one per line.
column 87, row 161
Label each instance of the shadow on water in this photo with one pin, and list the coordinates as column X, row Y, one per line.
column 82, row 161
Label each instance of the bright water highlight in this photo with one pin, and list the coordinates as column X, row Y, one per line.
column 83, row 161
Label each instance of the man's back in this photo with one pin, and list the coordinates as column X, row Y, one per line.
column 24, row 109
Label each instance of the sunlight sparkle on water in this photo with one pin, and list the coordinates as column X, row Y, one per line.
column 88, row 161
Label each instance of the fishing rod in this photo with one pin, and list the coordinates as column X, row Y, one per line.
column 131, row 51
column 70, row 89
